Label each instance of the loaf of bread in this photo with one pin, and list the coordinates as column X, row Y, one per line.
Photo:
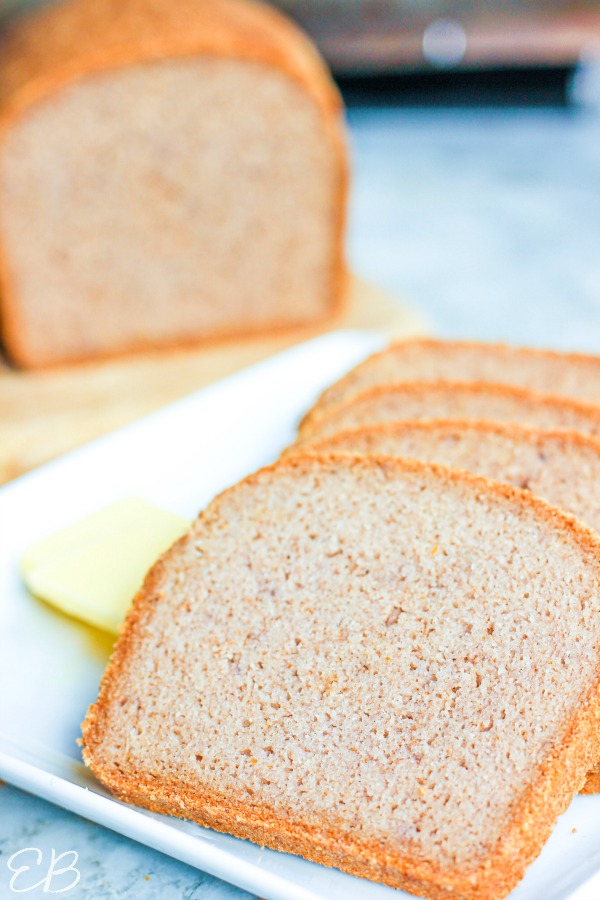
column 170, row 172
column 561, row 467
column 564, row 374
column 382, row 665
column 448, row 400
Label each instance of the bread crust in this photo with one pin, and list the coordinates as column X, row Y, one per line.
column 524, row 433
column 592, row 784
column 496, row 348
column 559, row 777
column 313, row 417
column 75, row 39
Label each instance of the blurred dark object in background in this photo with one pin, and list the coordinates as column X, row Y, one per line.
column 366, row 37
column 546, row 86
column 446, row 52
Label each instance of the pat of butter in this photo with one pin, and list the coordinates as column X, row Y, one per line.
column 93, row 568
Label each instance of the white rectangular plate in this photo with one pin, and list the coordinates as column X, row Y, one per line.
column 50, row 666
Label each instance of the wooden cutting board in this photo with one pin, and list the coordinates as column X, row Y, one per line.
column 44, row 414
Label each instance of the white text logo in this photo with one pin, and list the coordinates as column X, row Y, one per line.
column 28, row 864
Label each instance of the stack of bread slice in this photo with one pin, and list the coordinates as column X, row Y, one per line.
column 383, row 651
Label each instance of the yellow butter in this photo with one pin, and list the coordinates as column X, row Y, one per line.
column 93, row 568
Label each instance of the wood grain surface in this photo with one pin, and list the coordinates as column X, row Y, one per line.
column 46, row 413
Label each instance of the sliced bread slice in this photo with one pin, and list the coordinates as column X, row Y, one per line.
column 449, row 400
column 566, row 374
column 561, row 467
column 385, row 666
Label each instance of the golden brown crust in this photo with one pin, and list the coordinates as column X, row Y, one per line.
column 65, row 42
column 535, row 813
column 592, row 783
column 497, row 348
column 523, row 433
column 75, row 39
column 314, row 416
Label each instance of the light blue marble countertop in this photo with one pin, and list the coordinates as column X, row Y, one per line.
column 489, row 222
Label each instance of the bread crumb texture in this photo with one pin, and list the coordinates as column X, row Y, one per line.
column 384, row 666
column 560, row 467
